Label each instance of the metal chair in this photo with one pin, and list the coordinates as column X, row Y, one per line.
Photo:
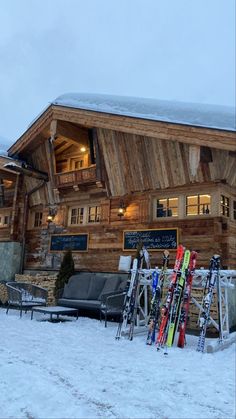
column 112, row 305
column 24, row 296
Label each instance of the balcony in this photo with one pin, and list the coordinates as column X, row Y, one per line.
column 77, row 178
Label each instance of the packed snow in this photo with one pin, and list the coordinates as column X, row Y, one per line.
column 212, row 116
column 76, row 369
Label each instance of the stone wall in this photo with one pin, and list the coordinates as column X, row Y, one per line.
column 45, row 281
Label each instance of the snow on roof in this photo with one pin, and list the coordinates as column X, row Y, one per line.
column 4, row 146
column 211, row 116
column 3, row 153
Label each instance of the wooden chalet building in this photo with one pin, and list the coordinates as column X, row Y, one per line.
column 95, row 172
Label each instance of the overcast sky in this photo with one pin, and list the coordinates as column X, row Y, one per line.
column 180, row 50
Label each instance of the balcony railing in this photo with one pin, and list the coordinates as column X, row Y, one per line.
column 76, row 177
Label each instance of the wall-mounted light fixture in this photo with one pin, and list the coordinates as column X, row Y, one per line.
column 121, row 209
column 49, row 218
column 51, row 214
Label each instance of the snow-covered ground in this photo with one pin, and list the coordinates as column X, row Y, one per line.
column 76, row 369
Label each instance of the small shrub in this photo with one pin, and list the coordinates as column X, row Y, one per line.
column 67, row 269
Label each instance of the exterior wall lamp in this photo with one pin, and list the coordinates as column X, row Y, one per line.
column 121, row 209
column 51, row 215
column 49, row 218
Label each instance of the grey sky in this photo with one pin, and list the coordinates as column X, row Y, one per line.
column 180, row 50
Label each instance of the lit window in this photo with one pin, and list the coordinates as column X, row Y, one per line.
column 167, row 207
column 94, row 214
column 198, row 204
column 77, row 216
column 84, row 215
column 79, row 164
column 38, row 219
column 224, row 206
column 4, row 220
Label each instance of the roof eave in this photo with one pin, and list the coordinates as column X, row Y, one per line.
column 33, row 130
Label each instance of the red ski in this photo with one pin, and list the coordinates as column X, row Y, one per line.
column 162, row 335
column 186, row 300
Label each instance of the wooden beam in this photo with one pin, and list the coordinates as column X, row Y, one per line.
column 71, row 118
column 194, row 159
column 72, row 132
column 15, row 220
column 209, row 137
column 6, row 174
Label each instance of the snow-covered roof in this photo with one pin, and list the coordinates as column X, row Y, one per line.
column 211, row 116
column 4, row 145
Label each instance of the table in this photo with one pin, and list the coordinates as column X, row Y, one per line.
column 55, row 310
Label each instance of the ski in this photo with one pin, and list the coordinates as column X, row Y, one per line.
column 186, row 300
column 127, row 300
column 177, row 298
column 212, row 277
column 162, row 334
column 134, row 306
column 157, row 286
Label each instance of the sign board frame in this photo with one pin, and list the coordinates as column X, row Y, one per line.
column 153, row 230
column 69, row 248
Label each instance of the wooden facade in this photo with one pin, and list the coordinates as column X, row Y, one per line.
column 80, row 164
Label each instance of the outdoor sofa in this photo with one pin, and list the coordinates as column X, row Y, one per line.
column 96, row 291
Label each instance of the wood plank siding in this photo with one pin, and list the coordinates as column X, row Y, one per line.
column 135, row 163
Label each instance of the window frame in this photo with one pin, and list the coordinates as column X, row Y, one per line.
column 39, row 219
column 4, row 215
column 85, row 216
column 198, row 205
column 225, row 206
column 167, row 198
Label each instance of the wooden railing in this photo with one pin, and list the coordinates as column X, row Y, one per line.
column 77, row 177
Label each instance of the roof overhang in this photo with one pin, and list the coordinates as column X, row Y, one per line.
column 194, row 135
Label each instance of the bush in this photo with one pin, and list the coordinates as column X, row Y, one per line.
column 67, row 269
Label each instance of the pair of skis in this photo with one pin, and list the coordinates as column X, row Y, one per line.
column 157, row 286
column 212, row 279
column 165, row 312
column 176, row 309
column 129, row 300
column 131, row 303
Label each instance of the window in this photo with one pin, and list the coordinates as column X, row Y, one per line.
column 77, row 216
column 84, row 215
column 167, row 207
column 234, row 210
column 224, row 206
column 79, row 164
column 4, row 220
column 94, row 214
column 38, row 219
column 198, row 204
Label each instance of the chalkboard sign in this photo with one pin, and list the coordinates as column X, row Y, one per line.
column 159, row 239
column 74, row 242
